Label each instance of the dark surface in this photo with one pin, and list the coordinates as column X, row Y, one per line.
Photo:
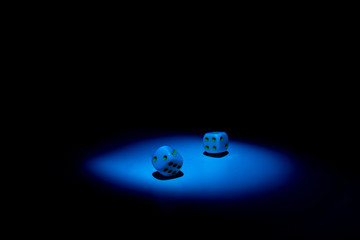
column 282, row 89
column 322, row 205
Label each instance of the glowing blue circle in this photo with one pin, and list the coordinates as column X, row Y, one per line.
column 245, row 171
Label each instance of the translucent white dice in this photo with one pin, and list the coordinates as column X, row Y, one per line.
column 216, row 142
column 167, row 161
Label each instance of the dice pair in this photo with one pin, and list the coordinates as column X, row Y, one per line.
column 168, row 161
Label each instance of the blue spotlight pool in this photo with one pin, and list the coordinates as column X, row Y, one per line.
column 246, row 171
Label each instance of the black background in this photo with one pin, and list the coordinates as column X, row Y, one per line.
column 299, row 117
column 278, row 87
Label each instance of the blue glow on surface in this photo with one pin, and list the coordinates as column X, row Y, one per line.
column 245, row 171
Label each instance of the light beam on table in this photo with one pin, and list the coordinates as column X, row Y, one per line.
column 247, row 170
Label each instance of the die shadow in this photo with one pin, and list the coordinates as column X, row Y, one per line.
column 216, row 155
column 159, row 176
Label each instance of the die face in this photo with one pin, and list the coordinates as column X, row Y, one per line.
column 167, row 161
column 216, row 142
